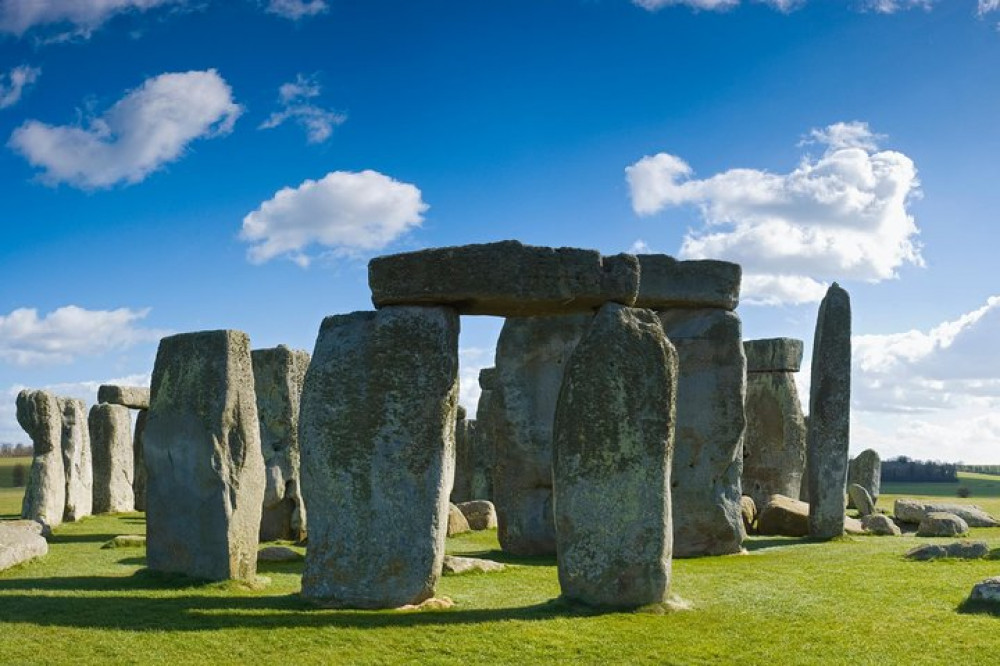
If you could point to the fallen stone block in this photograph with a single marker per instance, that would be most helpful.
(454, 565)
(20, 542)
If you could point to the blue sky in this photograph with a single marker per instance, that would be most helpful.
(177, 165)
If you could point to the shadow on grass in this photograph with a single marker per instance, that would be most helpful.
(81, 538)
(979, 607)
(498, 555)
(763, 543)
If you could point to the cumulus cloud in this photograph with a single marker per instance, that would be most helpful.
(296, 9)
(69, 332)
(470, 361)
(149, 127)
(843, 215)
(715, 5)
(295, 105)
(15, 82)
(987, 6)
(344, 211)
(83, 16)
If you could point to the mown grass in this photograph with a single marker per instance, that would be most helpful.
(788, 601)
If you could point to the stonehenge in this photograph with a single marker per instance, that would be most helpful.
(38, 412)
(865, 470)
(111, 438)
(137, 398)
(77, 464)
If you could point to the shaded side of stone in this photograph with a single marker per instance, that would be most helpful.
(773, 355)
(114, 462)
(665, 282)
(866, 471)
(613, 438)
(377, 432)
(774, 449)
(138, 461)
(38, 413)
(76, 460)
(133, 397)
(461, 489)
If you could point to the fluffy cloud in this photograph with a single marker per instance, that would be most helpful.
(296, 9)
(17, 80)
(317, 122)
(344, 211)
(470, 361)
(149, 127)
(69, 332)
(715, 5)
(843, 215)
(84, 16)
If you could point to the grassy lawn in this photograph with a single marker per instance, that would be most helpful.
(854, 600)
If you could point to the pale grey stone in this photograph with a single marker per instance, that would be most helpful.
(613, 440)
(113, 453)
(829, 415)
(20, 543)
(377, 431)
(908, 510)
(76, 460)
(133, 397)
(204, 468)
(39, 414)
(278, 554)
(860, 499)
(708, 448)
(481, 514)
(457, 522)
(960, 550)
(665, 282)
(940, 523)
(913, 511)
(773, 355)
(278, 375)
(138, 461)
(531, 356)
(880, 525)
(866, 471)
(926, 553)
(454, 565)
(853, 526)
(507, 279)
(783, 516)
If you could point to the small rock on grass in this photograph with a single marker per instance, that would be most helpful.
(454, 565)
(986, 590)
(880, 525)
(434, 603)
(126, 541)
(278, 554)
(964, 550)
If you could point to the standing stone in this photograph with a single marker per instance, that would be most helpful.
(278, 376)
(461, 489)
(76, 459)
(708, 445)
(774, 450)
(483, 436)
(860, 499)
(613, 440)
(45, 495)
(111, 439)
(139, 461)
(829, 414)
(531, 356)
(204, 469)
(377, 432)
(866, 471)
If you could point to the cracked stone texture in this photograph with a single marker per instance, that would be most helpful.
(773, 355)
(76, 459)
(39, 414)
(114, 462)
(377, 434)
(461, 489)
(483, 437)
(204, 468)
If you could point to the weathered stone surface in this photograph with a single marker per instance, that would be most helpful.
(126, 541)
(853, 526)
(531, 356)
(278, 375)
(773, 355)
(457, 523)
(748, 511)
(940, 523)
(481, 514)
(860, 499)
(278, 554)
(866, 471)
(454, 565)
(461, 489)
(39, 414)
(133, 397)
(204, 468)
(506, 279)
(774, 449)
(665, 282)
(20, 543)
(913, 511)
(139, 461)
(986, 590)
(784, 516)
(829, 414)
(708, 448)
(76, 459)
(483, 436)
(880, 525)
(963, 550)
(377, 432)
(113, 451)
(612, 445)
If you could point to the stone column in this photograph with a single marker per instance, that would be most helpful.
(111, 439)
(377, 433)
(614, 428)
(461, 489)
(278, 376)
(45, 495)
(829, 414)
(866, 471)
(774, 449)
(484, 437)
(76, 459)
(531, 356)
(139, 461)
(204, 469)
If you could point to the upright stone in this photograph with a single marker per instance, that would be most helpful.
(708, 445)
(829, 414)
(204, 469)
(39, 414)
(377, 432)
(774, 449)
(483, 436)
(76, 459)
(531, 357)
(111, 439)
(866, 471)
(614, 428)
(461, 489)
(278, 376)
(139, 461)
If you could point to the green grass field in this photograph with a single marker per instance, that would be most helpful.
(788, 601)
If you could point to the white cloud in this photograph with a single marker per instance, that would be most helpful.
(843, 215)
(317, 122)
(716, 5)
(639, 247)
(69, 332)
(17, 80)
(470, 361)
(149, 127)
(84, 16)
(296, 9)
(893, 6)
(987, 6)
(345, 211)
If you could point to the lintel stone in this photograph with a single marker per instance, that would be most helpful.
(773, 355)
(133, 397)
(666, 282)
